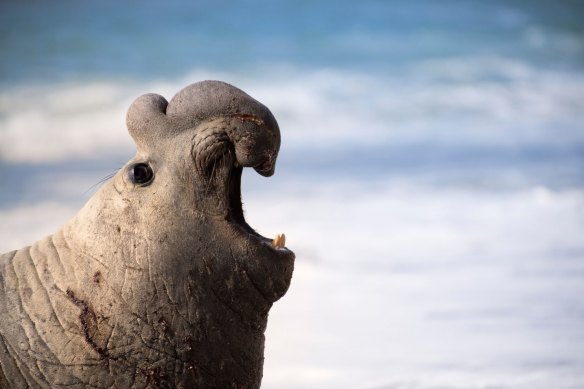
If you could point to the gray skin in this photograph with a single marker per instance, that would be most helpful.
(159, 284)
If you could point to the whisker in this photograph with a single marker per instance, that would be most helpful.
(101, 181)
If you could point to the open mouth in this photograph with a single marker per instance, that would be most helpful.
(235, 214)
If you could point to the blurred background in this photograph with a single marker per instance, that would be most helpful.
(430, 181)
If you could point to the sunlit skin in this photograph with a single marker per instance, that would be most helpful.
(158, 281)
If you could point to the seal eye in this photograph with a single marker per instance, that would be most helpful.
(140, 173)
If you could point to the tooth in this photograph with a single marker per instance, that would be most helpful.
(279, 241)
(276, 241)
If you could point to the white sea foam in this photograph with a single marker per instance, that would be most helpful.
(417, 287)
(23, 225)
(451, 100)
(459, 100)
(51, 123)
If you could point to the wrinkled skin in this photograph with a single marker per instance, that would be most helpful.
(161, 284)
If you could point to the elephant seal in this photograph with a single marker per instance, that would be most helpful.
(158, 281)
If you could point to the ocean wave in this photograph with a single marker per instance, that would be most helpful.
(475, 100)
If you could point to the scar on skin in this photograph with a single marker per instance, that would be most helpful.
(85, 317)
(248, 118)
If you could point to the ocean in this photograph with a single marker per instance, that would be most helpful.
(430, 179)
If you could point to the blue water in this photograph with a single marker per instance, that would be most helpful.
(71, 39)
(431, 177)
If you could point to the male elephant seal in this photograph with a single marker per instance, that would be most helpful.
(158, 281)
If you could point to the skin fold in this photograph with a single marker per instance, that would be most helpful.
(158, 281)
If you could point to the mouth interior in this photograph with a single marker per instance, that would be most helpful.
(235, 207)
(235, 215)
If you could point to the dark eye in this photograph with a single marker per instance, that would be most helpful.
(140, 173)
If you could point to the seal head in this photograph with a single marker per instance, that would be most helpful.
(197, 146)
